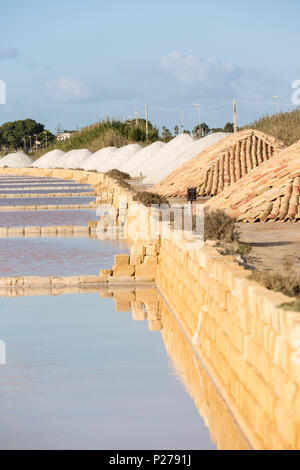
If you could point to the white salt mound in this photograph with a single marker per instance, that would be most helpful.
(166, 156)
(74, 159)
(98, 159)
(175, 157)
(49, 160)
(134, 165)
(16, 160)
(120, 156)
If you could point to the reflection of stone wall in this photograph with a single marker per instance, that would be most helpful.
(248, 343)
(224, 430)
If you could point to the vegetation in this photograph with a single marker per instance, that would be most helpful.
(288, 284)
(23, 134)
(219, 226)
(107, 133)
(118, 175)
(148, 199)
(283, 126)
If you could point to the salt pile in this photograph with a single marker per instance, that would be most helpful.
(74, 158)
(98, 159)
(165, 157)
(180, 152)
(16, 160)
(120, 156)
(134, 165)
(49, 159)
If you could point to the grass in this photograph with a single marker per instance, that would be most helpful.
(104, 134)
(288, 284)
(283, 126)
(148, 199)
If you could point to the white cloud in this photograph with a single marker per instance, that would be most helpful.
(68, 90)
(8, 52)
(178, 76)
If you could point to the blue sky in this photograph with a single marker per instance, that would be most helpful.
(75, 61)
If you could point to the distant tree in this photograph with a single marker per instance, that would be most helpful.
(186, 132)
(229, 127)
(166, 134)
(15, 134)
(201, 130)
(59, 129)
(176, 130)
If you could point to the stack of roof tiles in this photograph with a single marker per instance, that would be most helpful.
(269, 192)
(221, 165)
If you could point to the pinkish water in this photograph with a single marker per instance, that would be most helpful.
(46, 217)
(57, 256)
(37, 201)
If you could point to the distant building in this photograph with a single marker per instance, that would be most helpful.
(64, 136)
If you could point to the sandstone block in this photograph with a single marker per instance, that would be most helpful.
(121, 260)
(146, 270)
(125, 270)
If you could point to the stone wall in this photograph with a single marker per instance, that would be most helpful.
(249, 344)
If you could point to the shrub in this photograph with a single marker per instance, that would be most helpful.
(288, 284)
(118, 175)
(219, 226)
(148, 198)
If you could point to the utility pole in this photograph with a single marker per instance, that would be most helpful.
(277, 103)
(182, 119)
(199, 124)
(147, 125)
(136, 117)
(234, 117)
(35, 142)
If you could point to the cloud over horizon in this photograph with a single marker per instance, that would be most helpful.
(68, 90)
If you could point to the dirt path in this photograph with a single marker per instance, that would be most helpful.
(271, 244)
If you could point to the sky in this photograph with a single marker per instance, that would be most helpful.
(75, 62)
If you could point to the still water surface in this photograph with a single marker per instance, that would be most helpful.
(80, 375)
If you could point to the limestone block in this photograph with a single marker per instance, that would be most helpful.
(150, 259)
(92, 280)
(151, 250)
(138, 250)
(120, 280)
(105, 272)
(123, 270)
(124, 295)
(32, 230)
(15, 231)
(92, 224)
(146, 270)
(81, 229)
(134, 259)
(122, 306)
(138, 313)
(121, 260)
(155, 325)
(49, 229)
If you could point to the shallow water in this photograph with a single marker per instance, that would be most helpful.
(57, 256)
(80, 375)
(46, 217)
(37, 201)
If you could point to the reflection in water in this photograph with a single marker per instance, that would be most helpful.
(79, 375)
